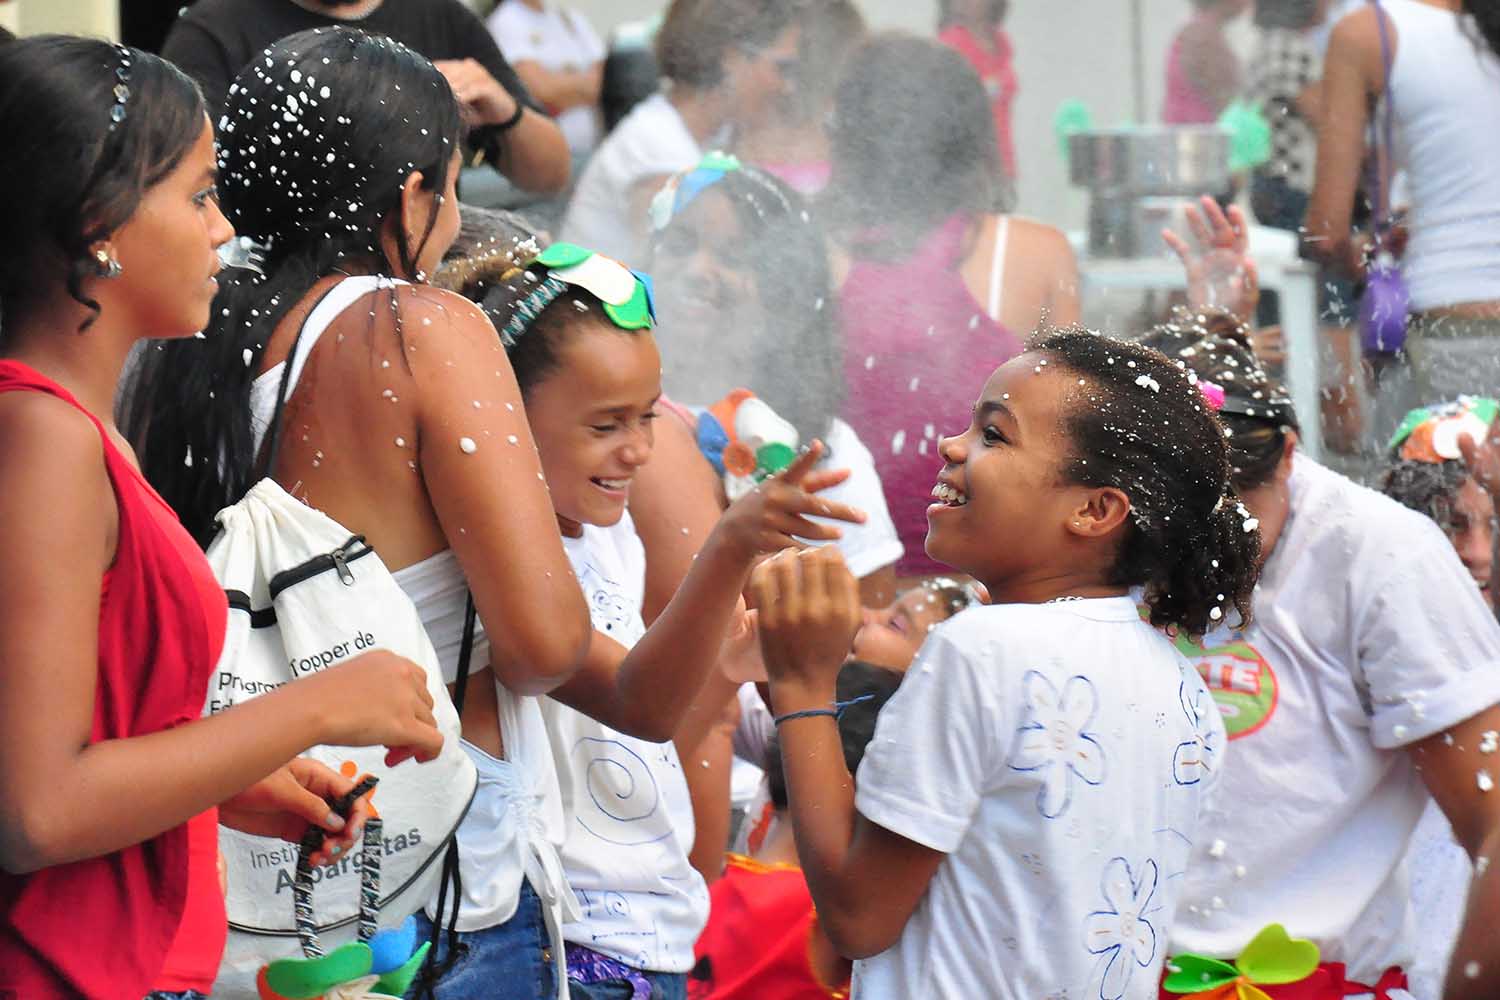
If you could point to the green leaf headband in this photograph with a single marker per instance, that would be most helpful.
(626, 294)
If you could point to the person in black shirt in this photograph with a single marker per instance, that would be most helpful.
(214, 39)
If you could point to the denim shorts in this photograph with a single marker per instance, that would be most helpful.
(664, 986)
(511, 961)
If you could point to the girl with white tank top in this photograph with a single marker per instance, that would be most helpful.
(1440, 79)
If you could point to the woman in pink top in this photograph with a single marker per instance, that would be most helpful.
(939, 288)
(1203, 73)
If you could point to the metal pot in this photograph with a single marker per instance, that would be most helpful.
(1178, 160)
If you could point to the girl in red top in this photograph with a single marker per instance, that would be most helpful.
(110, 621)
(975, 30)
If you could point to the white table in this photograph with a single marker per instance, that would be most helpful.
(1281, 270)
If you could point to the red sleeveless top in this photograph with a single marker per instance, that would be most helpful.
(102, 927)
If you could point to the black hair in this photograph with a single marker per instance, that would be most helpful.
(318, 135)
(1257, 414)
(1140, 425)
(1484, 15)
(1429, 488)
(856, 679)
(798, 368)
(74, 175)
(913, 142)
(494, 281)
(695, 35)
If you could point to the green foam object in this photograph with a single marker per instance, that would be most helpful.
(1198, 974)
(1072, 116)
(1250, 136)
(397, 980)
(772, 458)
(1273, 956)
(560, 255)
(306, 978)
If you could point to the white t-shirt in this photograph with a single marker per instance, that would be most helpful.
(1060, 756)
(1369, 635)
(651, 141)
(629, 817)
(558, 40)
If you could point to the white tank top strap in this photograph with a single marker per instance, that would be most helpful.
(339, 297)
(997, 266)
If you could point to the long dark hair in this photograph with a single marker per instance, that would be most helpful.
(1485, 16)
(318, 135)
(1141, 426)
(913, 142)
(73, 173)
(798, 368)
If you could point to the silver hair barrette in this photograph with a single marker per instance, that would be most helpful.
(122, 87)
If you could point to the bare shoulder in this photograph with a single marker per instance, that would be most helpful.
(424, 310)
(1355, 42)
(52, 464)
(1038, 239)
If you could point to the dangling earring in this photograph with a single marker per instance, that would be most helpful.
(105, 265)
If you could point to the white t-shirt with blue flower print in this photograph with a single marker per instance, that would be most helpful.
(1060, 755)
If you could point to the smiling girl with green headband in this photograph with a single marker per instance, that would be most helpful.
(577, 327)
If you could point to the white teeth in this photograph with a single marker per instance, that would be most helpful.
(613, 484)
(948, 495)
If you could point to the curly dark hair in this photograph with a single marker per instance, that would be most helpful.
(75, 176)
(1142, 426)
(1429, 488)
(1258, 414)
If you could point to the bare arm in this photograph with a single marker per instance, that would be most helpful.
(532, 153)
(1455, 775)
(482, 473)
(1352, 77)
(560, 90)
(647, 691)
(865, 880)
(1063, 295)
(708, 768)
(55, 544)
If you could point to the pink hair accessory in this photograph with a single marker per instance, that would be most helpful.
(1213, 393)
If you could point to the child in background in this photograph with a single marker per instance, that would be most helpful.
(577, 329)
(762, 938)
(1203, 73)
(975, 30)
(1033, 790)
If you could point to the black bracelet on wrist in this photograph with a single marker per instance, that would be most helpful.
(806, 713)
(512, 121)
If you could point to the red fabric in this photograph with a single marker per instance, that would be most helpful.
(997, 71)
(101, 927)
(917, 351)
(192, 961)
(756, 943)
(1326, 983)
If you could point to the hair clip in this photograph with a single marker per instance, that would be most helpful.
(122, 87)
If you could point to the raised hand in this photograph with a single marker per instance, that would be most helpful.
(1220, 272)
(482, 98)
(775, 514)
(1483, 459)
(809, 609)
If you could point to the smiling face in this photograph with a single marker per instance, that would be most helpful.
(1471, 527)
(167, 250)
(591, 417)
(709, 298)
(1002, 513)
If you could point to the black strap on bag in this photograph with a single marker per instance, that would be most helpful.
(432, 970)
